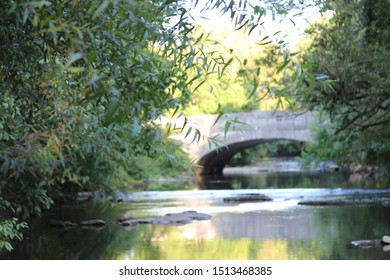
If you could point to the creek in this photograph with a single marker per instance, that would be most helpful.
(274, 230)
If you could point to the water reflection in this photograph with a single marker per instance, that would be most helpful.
(317, 235)
(213, 182)
(282, 179)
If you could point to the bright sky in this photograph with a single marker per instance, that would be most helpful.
(291, 27)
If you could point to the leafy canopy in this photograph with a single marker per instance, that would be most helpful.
(83, 83)
(352, 49)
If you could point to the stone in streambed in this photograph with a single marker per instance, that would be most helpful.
(185, 217)
(128, 223)
(247, 198)
(153, 221)
(93, 223)
(124, 218)
(325, 202)
(367, 243)
(62, 224)
(169, 219)
(191, 215)
(386, 239)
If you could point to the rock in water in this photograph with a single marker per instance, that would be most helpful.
(325, 202)
(247, 198)
(186, 217)
(93, 223)
(62, 224)
(128, 223)
(386, 239)
(169, 219)
(125, 217)
(367, 243)
(373, 243)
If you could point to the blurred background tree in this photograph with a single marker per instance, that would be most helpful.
(351, 47)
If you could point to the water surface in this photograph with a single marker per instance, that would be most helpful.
(276, 230)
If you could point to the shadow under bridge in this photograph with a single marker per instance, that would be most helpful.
(215, 161)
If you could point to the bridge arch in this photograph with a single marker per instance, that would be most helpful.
(215, 161)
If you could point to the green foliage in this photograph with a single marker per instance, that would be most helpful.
(348, 148)
(9, 231)
(352, 49)
(172, 163)
(254, 75)
(82, 84)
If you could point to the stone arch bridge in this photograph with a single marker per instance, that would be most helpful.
(211, 143)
